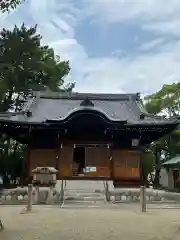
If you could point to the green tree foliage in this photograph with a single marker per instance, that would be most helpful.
(26, 65)
(11, 160)
(148, 160)
(6, 5)
(165, 102)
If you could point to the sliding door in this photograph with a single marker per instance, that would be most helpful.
(97, 161)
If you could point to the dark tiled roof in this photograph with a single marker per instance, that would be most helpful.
(58, 106)
(174, 160)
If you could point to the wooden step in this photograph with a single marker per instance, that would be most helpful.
(74, 171)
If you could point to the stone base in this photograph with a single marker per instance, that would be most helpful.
(1, 226)
(26, 211)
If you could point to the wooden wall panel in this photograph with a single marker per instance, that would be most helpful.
(65, 161)
(126, 164)
(126, 173)
(103, 171)
(42, 158)
(100, 172)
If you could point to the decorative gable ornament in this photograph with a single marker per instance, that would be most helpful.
(87, 103)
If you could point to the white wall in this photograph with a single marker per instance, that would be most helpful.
(164, 182)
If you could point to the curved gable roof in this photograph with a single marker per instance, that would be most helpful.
(50, 106)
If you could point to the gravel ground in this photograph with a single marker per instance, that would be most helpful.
(122, 223)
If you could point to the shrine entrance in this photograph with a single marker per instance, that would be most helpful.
(90, 161)
(78, 165)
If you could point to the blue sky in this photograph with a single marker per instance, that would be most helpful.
(113, 45)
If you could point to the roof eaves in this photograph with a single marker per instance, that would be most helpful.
(9, 114)
(153, 116)
(153, 123)
(175, 160)
(11, 121)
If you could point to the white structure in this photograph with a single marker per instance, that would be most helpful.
(44, 175)
(163, 181)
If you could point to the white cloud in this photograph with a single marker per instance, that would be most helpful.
(151, 45)
(162, 16)
(144, 72)
(164, 27)
(116, 11)
(56, 19)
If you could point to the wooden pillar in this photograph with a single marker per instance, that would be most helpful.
(111, 164)
(143, 187)
(62, 192)
(25, 167)
(58, 162)
(143, 198)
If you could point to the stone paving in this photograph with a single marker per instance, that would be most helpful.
(124, 222)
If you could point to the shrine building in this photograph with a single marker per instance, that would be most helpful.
(86, 136)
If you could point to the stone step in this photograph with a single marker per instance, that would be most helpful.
(84, 184)
(82, 202)
(85, 193)
(84, 198)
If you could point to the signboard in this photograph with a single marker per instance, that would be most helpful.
(90, 169)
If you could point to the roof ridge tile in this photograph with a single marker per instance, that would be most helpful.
(91, 96)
